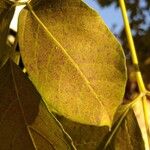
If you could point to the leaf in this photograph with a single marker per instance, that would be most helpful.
(139, 112)
(123, 109)
(85, 137)
(128, 135)
(73, 59)
(25, 123)
(6, 14)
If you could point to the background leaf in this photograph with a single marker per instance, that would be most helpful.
(6, 14)
(25, 123)
(85, 137)
(83, 77)
(128, 135)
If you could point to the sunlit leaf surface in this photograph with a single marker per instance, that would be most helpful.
(80, 71)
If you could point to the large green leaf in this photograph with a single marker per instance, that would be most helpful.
(6, 14)
(25, 123)
(76, 63)
(127, 137)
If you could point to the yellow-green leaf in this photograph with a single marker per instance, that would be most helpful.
(73, 59)
(25, 123)
(6, 14)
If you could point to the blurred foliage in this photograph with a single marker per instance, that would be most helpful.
(138, 13)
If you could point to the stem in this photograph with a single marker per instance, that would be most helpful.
(139, 78)
(19, 3)
(132, 47)
(147, 93)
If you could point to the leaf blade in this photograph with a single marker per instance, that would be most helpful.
(65, 77)
(127, 136)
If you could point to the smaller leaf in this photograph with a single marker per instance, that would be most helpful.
(127, 137)
(25, 123)
(124, 108)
